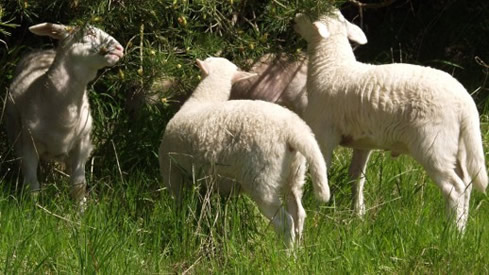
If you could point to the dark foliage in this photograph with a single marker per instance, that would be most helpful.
(162, 38)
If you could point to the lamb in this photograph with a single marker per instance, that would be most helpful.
(260, 145)
(48, 114)
(404, 108)
(280, 79)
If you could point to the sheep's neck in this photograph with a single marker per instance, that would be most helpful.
(67, 81)
(328, 58)
(213, 88)
(330, 53)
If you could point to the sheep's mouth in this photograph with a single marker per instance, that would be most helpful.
(118, 54)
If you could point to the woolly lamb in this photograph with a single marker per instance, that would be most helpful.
(259, 144)
(280, 79)
(48, 115)
(404, 108)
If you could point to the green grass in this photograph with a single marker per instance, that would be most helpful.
(132, 227)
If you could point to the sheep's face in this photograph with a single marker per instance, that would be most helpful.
(222, 67)
(303, 26)
(327, 26)
(89, 46)
(94, 47)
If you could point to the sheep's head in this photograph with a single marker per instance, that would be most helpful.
(222, 66)
(88, 44)
(326, 26)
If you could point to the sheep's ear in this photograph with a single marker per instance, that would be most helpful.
(202, 66)
(240, 75)
(321, 29)
(356, 34)
(55, 31)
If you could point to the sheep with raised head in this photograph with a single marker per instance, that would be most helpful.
(260, 145)
(404, 108)
(280, 79)
(48, 114)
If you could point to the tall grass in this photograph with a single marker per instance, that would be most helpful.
(132, 226)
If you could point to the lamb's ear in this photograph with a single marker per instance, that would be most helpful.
(356, 34)
(202, 66)
(240, 75)
(321, 29)
(55, 31)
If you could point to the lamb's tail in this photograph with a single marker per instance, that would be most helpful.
(471, 153)
(306, 144)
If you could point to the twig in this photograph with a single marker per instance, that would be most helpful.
(362, 6)
(280, 4)
(380, 204)
(481, 62)
(61, 172)
(117, 161)
(372, 5)
(4, 104)
(192, 266)
(61, 217)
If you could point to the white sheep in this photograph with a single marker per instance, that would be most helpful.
(258, 144)
(48, 114)
(404, 108)
(280, 78)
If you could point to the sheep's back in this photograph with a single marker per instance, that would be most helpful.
(382, 104)
(237, 134)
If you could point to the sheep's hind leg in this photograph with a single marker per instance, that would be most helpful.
(357, 170)
(281, 220)
(456, 195)
(296, 210)
(294, 195)
(461, 171)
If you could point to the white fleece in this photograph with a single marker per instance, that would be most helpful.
(48, 114)
(259, 145)
(407, 109)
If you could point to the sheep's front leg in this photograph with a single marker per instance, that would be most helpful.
(357, 170)
(29, 163)
(328, 139)
(78, 157)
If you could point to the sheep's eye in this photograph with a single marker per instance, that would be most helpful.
(90, 32)
(103, 50)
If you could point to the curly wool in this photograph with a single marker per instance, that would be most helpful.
(404, 108)
(258, 144)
